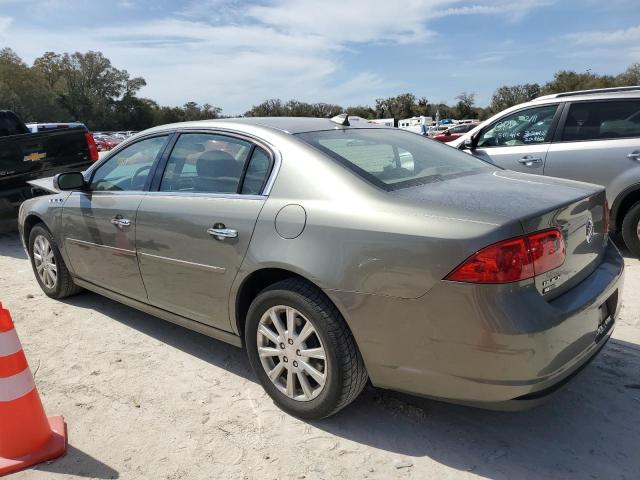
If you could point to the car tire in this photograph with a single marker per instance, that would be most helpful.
(59, 284)
(344, 373)
(631, 230)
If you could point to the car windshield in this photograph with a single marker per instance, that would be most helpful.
(392, 158)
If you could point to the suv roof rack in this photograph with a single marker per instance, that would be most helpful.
(592, 91)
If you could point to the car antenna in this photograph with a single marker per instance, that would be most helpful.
(342, 119)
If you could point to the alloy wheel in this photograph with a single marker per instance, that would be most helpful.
(45, 261)
(292, 353)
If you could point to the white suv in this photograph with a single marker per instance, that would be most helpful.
(592, 136)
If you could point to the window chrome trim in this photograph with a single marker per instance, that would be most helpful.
(121, 146)
(175, 261)
(205, 194)
(269, 147)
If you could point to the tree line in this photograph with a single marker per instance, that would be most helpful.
(86, 87)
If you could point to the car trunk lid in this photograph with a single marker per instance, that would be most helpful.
(537, 203)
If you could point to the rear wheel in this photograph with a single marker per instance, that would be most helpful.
(302, 351)
(631, 229)
(49, 267)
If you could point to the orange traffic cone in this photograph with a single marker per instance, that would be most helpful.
(27, 436)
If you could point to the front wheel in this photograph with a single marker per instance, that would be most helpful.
(49, 267)
(302, 351)
(631, 230)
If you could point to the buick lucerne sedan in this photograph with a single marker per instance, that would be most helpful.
(338, 252)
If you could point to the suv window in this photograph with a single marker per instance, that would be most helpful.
(205, 163)
(525, 127)
(602, 120)
(128, 169)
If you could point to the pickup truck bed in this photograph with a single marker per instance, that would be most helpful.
(29, 156)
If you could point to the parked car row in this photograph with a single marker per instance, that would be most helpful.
(448, 134)
(108, 140)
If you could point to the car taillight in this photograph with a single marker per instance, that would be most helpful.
(605, 217)
(513, 260)
(93, 148)
(547, 249)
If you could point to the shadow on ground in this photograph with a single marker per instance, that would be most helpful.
(590, 429)
(76, 462)
(10, 245)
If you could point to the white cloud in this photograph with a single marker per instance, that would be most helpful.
(629, 36)
(234, 55)
(5, 23)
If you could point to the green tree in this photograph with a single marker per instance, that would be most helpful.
(25, 91)
(464, 107)
(363, 111)
(630, 77)
(566, 81)
(505, 97)
(269, 108)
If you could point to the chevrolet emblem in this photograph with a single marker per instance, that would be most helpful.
(35, 156)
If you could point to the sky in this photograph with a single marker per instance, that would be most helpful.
(235, 54)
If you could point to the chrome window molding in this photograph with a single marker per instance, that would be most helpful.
(206, 194)
(270, 148)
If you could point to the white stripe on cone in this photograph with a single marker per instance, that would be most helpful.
(9, 343)
(16, 386)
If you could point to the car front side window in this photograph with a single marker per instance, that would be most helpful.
(129, 169)
(525, 127)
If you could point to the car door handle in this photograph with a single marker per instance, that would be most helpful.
(529, 161)
(222, 233)
(634, 155)
(121, 221)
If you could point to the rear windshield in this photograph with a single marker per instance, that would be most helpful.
(393, 158)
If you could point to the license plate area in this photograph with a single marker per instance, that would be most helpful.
(607, 316)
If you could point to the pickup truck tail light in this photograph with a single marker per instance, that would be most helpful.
(513, 260)
(91, 145)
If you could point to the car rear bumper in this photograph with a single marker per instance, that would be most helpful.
(483, 344)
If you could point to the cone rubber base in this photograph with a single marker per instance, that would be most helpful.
(53, 448)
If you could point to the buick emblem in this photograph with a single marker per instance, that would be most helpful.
(589, 230)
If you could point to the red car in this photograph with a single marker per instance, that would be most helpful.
(106, 143)
(455, 131)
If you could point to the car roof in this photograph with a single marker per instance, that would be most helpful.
(587, 95)
(291, 125)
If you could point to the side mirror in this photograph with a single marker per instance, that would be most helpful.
(470, 142)
(69, 181)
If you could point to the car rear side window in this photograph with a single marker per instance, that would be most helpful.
(205, 163)
(257, 172)
(602, 121)
(392, 158)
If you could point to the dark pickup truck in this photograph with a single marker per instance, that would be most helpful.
(28, 156)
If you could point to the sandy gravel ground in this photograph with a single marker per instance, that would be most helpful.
(146, 399)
